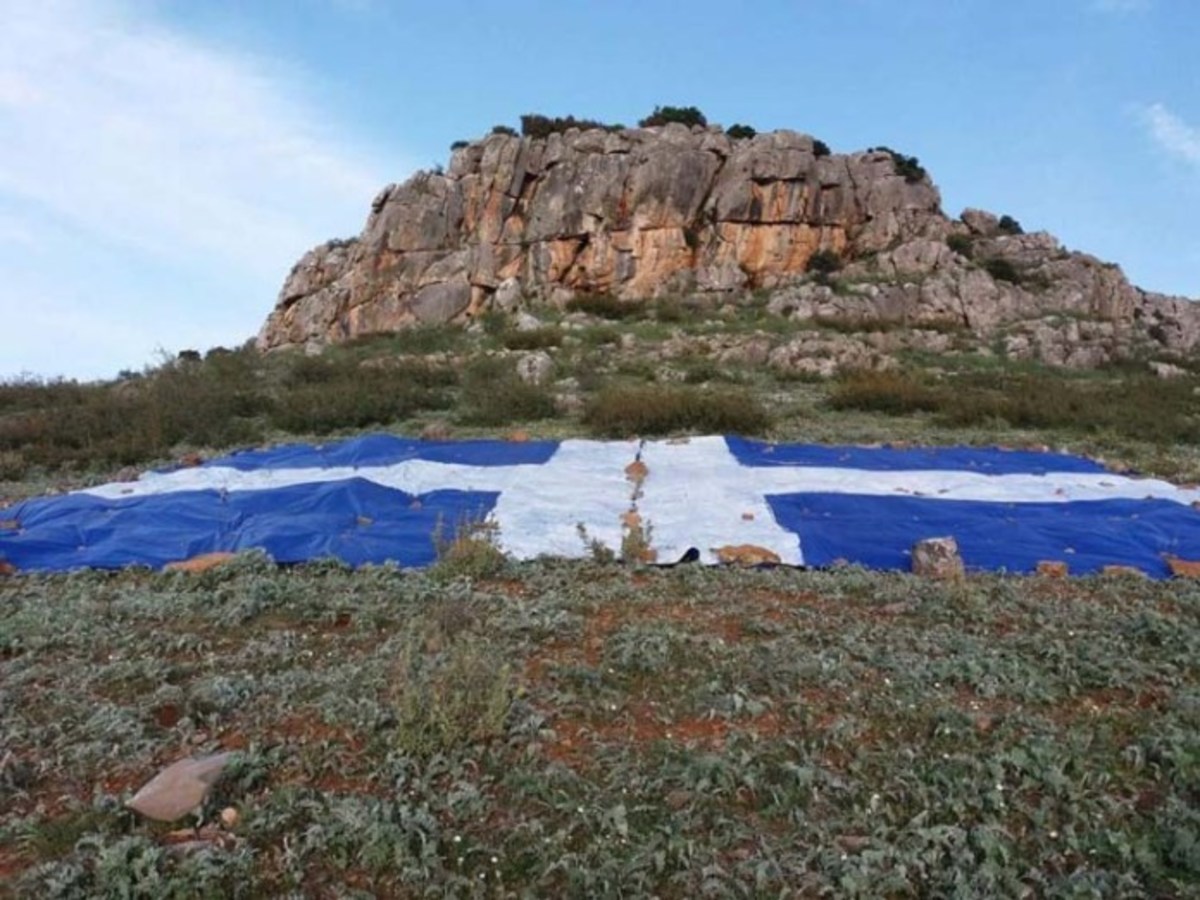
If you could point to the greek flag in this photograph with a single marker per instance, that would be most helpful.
(387, 499)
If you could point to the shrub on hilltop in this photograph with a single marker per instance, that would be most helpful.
(665, 115)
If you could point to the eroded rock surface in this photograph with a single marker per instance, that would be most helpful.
(642, 213)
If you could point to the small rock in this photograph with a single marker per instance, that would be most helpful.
(526, 322)
(535, 367)
(1053, 568)
(984, 724)
(180, 788)
(7, 568)
(746, 555)
(230, 817)
(937, 558)
(127, 474)
(1167, 370)
(853, 843)
(508, 295)
(201, 563)
(191, 460)
(1122, 572)
(435, 431)
(895, 609)
(1183, 568)
(520, 436)
(678, 799)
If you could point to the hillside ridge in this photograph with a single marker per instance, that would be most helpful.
(672, 210)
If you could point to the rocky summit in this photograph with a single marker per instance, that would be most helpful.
(856, 238)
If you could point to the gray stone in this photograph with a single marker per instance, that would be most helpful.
(436, 304)
(937, 558)
(180, 788)
(508, 295)
(535, 367)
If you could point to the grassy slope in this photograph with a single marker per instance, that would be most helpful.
(590, 729)
(600, 730)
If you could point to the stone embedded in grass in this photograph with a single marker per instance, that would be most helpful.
(1052, 568)
(201, 563)
(435, 431)
(1183, 568)
(746, 555)
(180, 788)
(937, 558)
(1122, 572)
(535, 367)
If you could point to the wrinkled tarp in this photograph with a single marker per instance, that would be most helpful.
(381, 498)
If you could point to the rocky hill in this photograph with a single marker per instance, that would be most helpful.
(855, 238)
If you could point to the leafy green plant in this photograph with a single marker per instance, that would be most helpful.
(493, 394)
(961, 244)
(740, 132)
(471, 552)
(1002, 270)
(665, 115)
(1009, 225)
(535, 339)
(617, 411)
(539, 126)
(820, 148)
(606, 306)
(824, 262)
(908, 167)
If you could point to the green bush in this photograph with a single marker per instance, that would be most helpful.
(740, 132)
(493, 394)
(1139, 407)
(1009, 225)
(538, 126)
(824, 262)
(820, 148)
(627, 411)
(56, 424)
(891, 392)
(606, 306)
(504, 129)
(961, 244)
(909, 167)
(536, 339)
(324, 394)
(449, 691)
(459, 145)
(1002, 270)
(665, 115)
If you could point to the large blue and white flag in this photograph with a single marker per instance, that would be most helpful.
(383, 498)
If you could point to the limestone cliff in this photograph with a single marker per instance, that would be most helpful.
(640, 213)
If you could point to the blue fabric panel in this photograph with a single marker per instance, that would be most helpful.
(386, 449)
(878, 532)
(890, 459)
(355, 520)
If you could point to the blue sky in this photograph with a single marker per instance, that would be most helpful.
(164, 162)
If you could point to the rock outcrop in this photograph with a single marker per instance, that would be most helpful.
(640, 213)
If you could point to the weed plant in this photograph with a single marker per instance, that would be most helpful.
(625, 411)
(588, 729)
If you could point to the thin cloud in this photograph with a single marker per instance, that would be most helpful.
(159, 142)
(1172, 134)
(123, 133)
